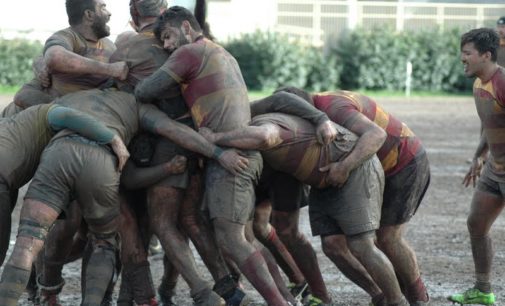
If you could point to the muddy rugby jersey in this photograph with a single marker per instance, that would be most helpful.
(490, 104)
(401, 145)
(144, 54)
(211, 84)
(101, 50)
(300, 154)
(23, 137)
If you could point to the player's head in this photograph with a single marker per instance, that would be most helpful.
(93, 11)
(296, 91)
(478, 48)
(175, 26)
(146, 8)
(500, 27)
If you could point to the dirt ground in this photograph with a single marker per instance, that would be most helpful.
(449, 129)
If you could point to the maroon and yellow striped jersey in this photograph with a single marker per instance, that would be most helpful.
(300, 154)
(401, 145)
(101, 50)
(490, 104)
(212, 85)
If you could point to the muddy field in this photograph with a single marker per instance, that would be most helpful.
(449, 129)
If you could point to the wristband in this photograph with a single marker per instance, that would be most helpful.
(217, 152)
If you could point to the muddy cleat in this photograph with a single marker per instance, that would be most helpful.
(300, 292)
(314, 301)
(473, 296)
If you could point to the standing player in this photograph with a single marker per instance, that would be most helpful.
(478, 54)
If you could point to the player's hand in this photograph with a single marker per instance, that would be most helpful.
(326, 132)
(119, 70)
(338, 173)
(41, 72)
(176, 165)
(120, 150)
(233, 161)
(474, 172)
(207, 134)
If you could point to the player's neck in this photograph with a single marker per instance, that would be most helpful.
(488, 72)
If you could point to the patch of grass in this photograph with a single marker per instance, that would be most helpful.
(399, 94)
(258, 94)
(8, 90)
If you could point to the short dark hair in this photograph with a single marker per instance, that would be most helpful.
(174, 17)
(76, 8)
(296, 91)
(500, 21)
(484, 40)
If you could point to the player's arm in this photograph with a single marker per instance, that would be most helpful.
(155, 121)
(477, 161)
(60, 117)
(291, 104)
(60, 59)
(134, 177)
(262, 137)
(31, 94)
(371, 138)
(155, 86)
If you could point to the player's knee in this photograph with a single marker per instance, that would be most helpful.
(334, 246)
(361, 244)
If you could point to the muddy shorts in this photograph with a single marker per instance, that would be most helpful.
(286, 192)
(351, 209)
(164, 151)
(405, 190)
(75, 168)
(8, 197)
(488, 182)
(232, 197)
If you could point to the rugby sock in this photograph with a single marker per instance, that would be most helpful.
(99, 272)
(282, 257)
(416, 291)
(276, 275)
(482, 251)
(12, 284)
(306, 258)
(253, 268)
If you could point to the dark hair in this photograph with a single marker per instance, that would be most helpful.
(484, 40)
(296, 91)
(174, 17)
(76, 8)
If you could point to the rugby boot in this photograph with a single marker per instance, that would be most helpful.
(207, 297)
(314, 301)
(300, 292)
(473, 296)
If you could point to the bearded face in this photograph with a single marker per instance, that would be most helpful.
(100, 27)
(102, 17)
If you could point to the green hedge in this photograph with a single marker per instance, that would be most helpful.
(361, 59)
(16, 58)
(268, 60)
(377, 59)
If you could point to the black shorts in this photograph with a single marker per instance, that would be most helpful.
(405, 190)
(286, 192)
